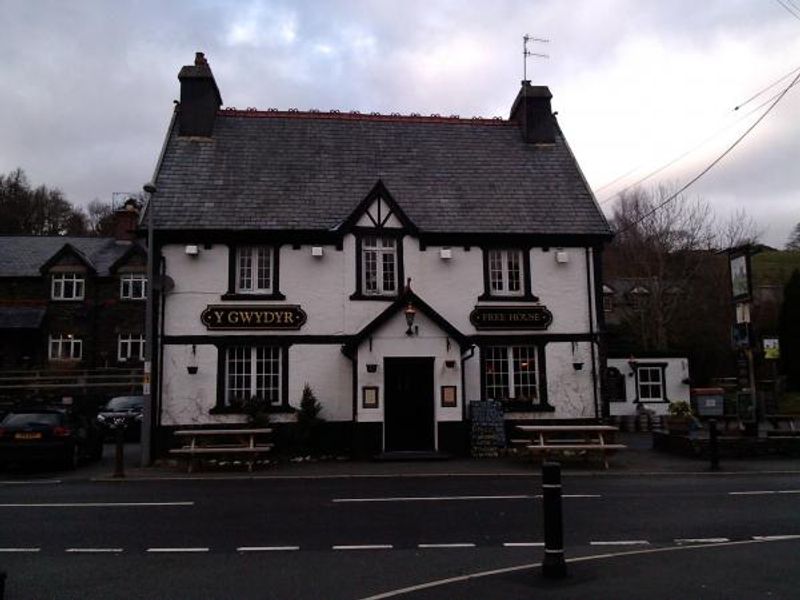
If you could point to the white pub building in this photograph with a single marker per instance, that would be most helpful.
(401, 265)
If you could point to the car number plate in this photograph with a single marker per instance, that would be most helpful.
(28, 436)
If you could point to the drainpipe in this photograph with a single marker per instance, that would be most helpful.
(465, 358)
(589, 288)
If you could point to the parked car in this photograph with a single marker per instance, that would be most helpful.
(128, 409)
(52, 434)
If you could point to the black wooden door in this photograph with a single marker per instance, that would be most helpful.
(409, 418)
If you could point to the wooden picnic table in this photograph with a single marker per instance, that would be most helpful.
(549, 439)
(222, 442)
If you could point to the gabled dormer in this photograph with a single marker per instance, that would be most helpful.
(379, 225)
(68, 269)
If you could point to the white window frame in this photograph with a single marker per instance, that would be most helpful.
(255, 269)
(128, 288)
(67, 347)
(651, 384)
(377, 253)
(126, 343)
(60, 282)
(256, 371)
(509, 359)
(506, 272)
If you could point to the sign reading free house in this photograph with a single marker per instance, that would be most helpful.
(288, 316)
(511, 317)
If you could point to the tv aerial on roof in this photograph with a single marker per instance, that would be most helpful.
(526, 53)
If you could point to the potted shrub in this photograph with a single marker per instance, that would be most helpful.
(680, 419)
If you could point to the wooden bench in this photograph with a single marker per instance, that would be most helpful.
(202, 443)
(587, 439)
(779, 431)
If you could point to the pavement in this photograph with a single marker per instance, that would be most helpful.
(638, 459)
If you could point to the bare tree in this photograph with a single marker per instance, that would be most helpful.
(740, 229)
(100, 219)
(40, 211)
(794, 239)
(661, 250)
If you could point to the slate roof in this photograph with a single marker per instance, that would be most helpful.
(289, 170)
(14, 317)
(23, 255)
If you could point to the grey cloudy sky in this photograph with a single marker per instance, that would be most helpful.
(87, 86)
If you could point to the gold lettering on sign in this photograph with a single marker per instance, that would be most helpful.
(218, 314)
(253, 317)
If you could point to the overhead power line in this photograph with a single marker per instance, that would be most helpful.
(717, 160)
(790, 9)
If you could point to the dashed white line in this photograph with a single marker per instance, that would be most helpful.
(523, 544)
(94, 550)
(31, 482)
(763, 492)
(453, 545)
(20, 549)
(775, 538)
(177, 550)
(714, 540)
(364, 547)
(267, 548)
(92, 504)
(620, 543)
(435, 498)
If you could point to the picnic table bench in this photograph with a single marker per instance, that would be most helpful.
(783, 426)
(201, 443)
(587, 439)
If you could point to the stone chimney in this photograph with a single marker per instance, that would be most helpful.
(531, 110)
(125, 220)
(200, 99)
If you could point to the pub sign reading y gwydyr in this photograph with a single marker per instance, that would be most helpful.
(253, 317)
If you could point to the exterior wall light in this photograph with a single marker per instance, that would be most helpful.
(191, 366)
(316, 251)
(410, 312)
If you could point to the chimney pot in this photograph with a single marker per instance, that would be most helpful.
(532, 111)
(200, 99)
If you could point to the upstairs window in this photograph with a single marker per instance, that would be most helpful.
(379, 266)
(506, 272)
(254, 270)
(133, 286)
(67, 286)
(65, 347)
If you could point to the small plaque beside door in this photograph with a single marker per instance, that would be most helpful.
(449, 397)
(369, 397)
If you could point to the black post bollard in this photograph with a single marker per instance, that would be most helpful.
(553, 565)
(713, 444)
(119, 454)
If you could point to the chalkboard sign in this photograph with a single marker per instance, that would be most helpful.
(488, 428)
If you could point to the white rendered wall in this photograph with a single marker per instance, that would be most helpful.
(676, 372)
(329, 373)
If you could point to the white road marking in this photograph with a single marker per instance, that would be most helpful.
(19, 549)
(31, 482)
(94, 550)
(266, 548)
(92, 504)
(177, 549)
(434, 498)
(763, 492)
(523, 544)
(447, 498)
(364, 547)
(716, 540)
(455, 545)
(620, 543)
(529, 566)
(775, 538)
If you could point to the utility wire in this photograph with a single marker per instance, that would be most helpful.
(771, 85)
(716, 161)
(788, 9)
(683, 155)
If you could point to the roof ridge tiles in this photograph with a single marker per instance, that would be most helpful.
(337, 115)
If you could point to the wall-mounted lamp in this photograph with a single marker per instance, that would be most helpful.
(191, 365)
(192, 250)
(316, 251)
(445, 253)
(410, 312)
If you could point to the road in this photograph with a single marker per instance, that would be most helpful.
(356, 537)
